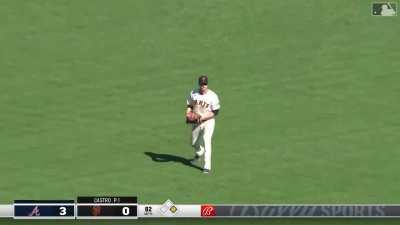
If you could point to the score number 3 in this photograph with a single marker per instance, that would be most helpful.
(63, 211)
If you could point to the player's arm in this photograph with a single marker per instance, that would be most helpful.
(189, 104)
(209, 115)
(215, 106)
(189, 109)
(191, 117)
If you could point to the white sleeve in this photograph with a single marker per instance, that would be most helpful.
(215, 103)
(189, 99)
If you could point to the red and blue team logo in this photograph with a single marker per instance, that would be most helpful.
(208, 211)
(35, 211)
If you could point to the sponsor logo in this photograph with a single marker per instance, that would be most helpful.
(208, 211)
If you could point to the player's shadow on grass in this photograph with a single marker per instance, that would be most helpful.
(156, 157)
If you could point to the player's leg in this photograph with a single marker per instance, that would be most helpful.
(200, 142)
(195, 136)
(197, 142)
(207, 136)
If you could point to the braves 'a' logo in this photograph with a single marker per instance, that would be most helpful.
(35, 212)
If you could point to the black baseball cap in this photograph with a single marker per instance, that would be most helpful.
(203, 80)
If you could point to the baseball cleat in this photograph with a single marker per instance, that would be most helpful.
(206, 171)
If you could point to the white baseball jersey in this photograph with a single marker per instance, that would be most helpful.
(203, 103)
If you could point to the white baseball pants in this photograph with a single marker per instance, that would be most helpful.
(201, 140)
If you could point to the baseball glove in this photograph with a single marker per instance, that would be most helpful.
(192, 117)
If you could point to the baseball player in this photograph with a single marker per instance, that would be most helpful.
(387, 10)
(202, 107)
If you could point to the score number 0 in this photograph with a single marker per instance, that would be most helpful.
(125, 211)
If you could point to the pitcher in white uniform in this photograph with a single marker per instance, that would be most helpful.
(204, 102)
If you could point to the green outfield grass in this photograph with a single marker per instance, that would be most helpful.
(309, 93)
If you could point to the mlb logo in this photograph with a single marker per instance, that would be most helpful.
(208, 211)
(384, 9)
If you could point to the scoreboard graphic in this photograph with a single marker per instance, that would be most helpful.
(49, 209)
(127, 207)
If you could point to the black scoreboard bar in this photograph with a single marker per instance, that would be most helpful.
(107, 207)
(44, 209)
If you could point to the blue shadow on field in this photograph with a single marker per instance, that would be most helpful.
(156, 157)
